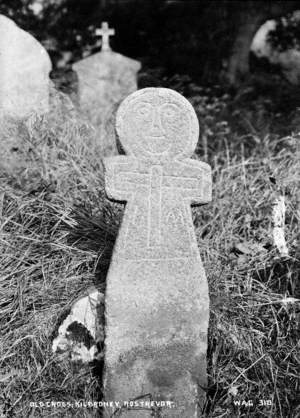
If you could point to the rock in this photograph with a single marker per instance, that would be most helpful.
(79, 333)
(157, 303)
(104, 80)
(24, 71)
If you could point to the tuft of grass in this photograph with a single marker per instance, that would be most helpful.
(56, 238)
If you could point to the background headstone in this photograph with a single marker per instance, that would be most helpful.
(24, 72)
(283, 55)
(104, 80)
(157, 304)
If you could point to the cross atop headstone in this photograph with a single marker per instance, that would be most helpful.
(105, 32)
(157, 304)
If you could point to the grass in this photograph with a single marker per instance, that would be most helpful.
(56, 237)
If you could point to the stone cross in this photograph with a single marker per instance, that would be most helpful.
(105, 32)
(157, 304)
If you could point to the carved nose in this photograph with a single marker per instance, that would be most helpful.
(156, 128)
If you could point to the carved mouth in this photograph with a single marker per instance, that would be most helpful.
(156, 144)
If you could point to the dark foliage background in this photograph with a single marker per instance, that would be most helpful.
(198, 38)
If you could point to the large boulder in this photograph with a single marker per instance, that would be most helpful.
(24, 72)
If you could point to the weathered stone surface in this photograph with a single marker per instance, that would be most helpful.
(104, 80)
(24, 72)
(157, 305)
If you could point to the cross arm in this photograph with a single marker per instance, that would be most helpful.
(193, 180)
(121, 177)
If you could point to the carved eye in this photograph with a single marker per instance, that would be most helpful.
(144, 110)
(170, 111)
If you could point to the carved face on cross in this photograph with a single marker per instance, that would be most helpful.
(157, 123)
